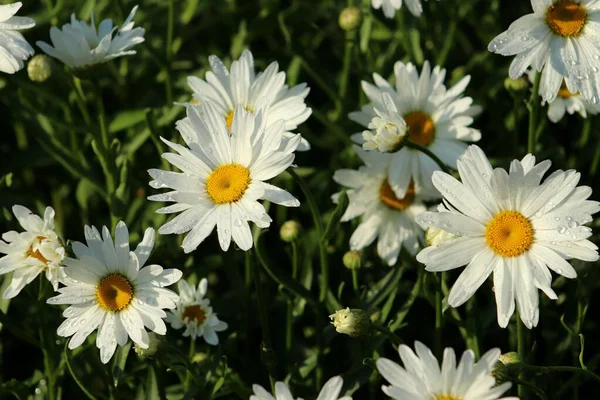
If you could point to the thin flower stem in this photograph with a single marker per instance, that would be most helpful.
(539, 392)
(391, 335)
(75, 378)
(448, 42)
(522, 351)
(438, 315)
(169, 52)
(355, 280)
(558, 368)
(534, 106)
(429, 153)
(290, 306)
(81, 100)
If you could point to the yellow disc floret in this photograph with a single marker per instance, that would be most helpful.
(114, 293)
(564, 92)
(227, 183)
(229, 120)
(387, 196)
(566, 18)
(194, 313)
(447, 397)
(421, 129)
(509, 234)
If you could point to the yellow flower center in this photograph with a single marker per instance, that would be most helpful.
(114, 293)
(36, 253)
(194, 313)
(421, 129)
(566, 18)
(227, 183)
(446, 397)
(564, 92)
(509, 234)
(387, 196)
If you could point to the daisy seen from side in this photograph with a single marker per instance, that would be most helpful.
(436, 118)
(389, 7)
(108, 290)
(224, 174)
(422, 378)
(330, 391)
(513, 225)
(263, 91)
(14, 49)
(195, 313)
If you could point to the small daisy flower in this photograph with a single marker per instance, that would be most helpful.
(107, 289)
(14, 49)
(223, 175)
(434, 117)
(32, 252)
(79, 45)
(241, 86)
(422, 377)
(384, 215)
(390, 6)
(559, 39)
(330, 391)
(195, 313)
(512, 225)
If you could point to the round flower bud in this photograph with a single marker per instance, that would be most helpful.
(40, 68)
(501, 370)
(516, 85)
(352, 322)
(154, 346)
(436, 236)
(352, 259)
(289, 231)
(349, 18)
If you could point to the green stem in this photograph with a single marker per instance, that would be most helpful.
(343, 88)
(169, 52)
(596, 161)
(438, 316)
(391, 335)
(443, 54)
(429, 153)
(81, 100)
(534, 106)
(522, 350)
(290, 306)
(558, 368)
(585, 132)
(188, 375)
(355, 280)
(75, 378)
(540, 393)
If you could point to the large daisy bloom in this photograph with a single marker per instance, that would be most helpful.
(330, 391)
(385, 216)
(434, 117)
(241, 86)
(195, 313)
(390, 6)
(223, 175)
(32, 252)
(14, 49)
(422, 378)
(512, 225)
(560, 39)
(107, 289)
(79, 45)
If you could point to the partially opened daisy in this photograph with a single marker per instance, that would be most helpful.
(195, 313)
(512, 225)
(330, 391)
(241, 86)
(390, 6)
(79, 45)
(385, 216)
(14, 49)
(422, 108)
(108, 290)
(422, 377)
(223, 175)
(29, 253)
(559, 39)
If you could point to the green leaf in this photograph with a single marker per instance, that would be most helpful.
(334, 221)
(415, 43)
(582, 344)
(126, 119)
(119, 362)
(294, 70)
(151, 388)
(365, 33)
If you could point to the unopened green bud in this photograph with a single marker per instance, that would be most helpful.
(289, 231)
(154, 347)
(436, 236)
(349, 18)
(352, 259)
(501, 370)
(516, 85)
(352, 322)
(40, 68)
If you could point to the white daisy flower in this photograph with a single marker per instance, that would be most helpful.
(512, 225)
(422, 378)
(32, 252)
(384, 215)
(436, 118)
(390, 6)
(14, 49)
(560, 37)
(241, 86)
(79, 45)
(330, 391)
(195, 313)
(108, 290)
(223, 175)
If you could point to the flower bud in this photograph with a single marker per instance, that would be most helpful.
(349, 18)
(289, 231)
(352, 259)
(154, 347)
(352, 322)
(501, 371)
(40, 68)
(516, 86)
(436, 236)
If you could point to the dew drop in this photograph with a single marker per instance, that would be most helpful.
(237, 222)
(559, 271)
(562, 229)
(572, 224)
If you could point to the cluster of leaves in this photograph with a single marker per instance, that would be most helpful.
(51, 156)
